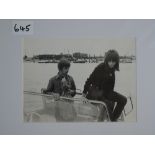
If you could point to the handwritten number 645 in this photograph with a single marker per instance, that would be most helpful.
(22, 28)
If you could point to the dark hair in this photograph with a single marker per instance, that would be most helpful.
(114, 56)
(63, 63)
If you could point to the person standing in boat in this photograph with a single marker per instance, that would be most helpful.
(101, 82)
(62, 84)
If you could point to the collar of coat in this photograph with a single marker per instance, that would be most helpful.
(59, 76)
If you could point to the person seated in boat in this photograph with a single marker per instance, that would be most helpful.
(101, 82)
(62, 84)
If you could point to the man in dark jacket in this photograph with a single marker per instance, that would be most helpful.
(100, 85)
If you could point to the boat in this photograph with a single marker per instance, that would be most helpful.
(80, 61)
(66, 109)
(126, 60)
(48, 61)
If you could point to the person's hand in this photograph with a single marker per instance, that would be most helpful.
(65, 84)
(71, 91)
(84, 99)
(44, 91)
(66, 88)
(49, 93)
(83, 95)
(56, 96)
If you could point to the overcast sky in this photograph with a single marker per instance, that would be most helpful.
(35, 46)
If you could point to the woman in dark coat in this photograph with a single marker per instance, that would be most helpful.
(100, 85)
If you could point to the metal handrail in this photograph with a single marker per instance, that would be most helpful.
(71, 99)
(131, 107)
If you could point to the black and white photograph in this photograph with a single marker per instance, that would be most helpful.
(79, 80)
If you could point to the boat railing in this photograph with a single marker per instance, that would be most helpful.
(81, 99)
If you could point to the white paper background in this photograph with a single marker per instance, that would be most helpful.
(11, 74)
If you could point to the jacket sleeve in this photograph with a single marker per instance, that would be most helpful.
(73, 88)
(50, 86)
(91, 80)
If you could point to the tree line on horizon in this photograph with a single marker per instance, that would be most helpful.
(71, 57)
